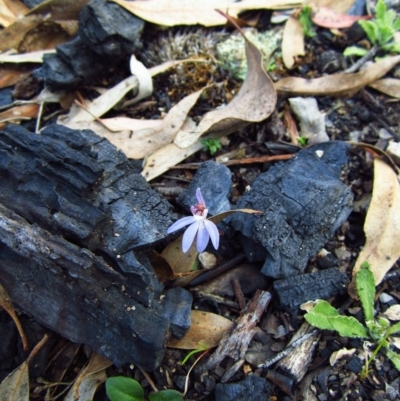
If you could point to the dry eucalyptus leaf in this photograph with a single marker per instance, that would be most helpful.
(382, 225)
(190, 12)
(11, 37)
(292, 42)
(18, 113)
(15, 387)
(89, 379)
(388, 86)
(340, 84)
(254, 102)
(32, 57)
(206, 329)
(393, 312)
(10, 75)
(11, 10)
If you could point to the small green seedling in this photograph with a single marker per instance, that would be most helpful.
(326, 317)
(379, 31)
(302, 140)
(121, 388)
(202, 348)
(212, 145)
(306, 22)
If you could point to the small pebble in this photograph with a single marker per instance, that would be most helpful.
(385, 298)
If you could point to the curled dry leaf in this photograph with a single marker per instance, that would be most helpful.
(382, 225)
(178, 12)
(388, 86)
(206, 329)
(340, 84)
(292, 42)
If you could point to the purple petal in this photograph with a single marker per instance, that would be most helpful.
(193, 210)
(199, 196)
(189, 235)
(181, 223)
(202, 237)
(213, 232)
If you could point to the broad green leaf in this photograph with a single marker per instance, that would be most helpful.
(319, 315)
(348, 326)
(395, 328)
(371, 30)
(396, 24)
(326, 317)
(394, 357)
(380, 10)
(166, 395)
(121, 388)
(354, 51)
(393, 47)
(365, 283)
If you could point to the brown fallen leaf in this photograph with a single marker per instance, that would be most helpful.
(328, 18)
(186, 12)
(45, 36)
(382, 225)
(89, 379)
(340, 84)
(10, 75)
(18, 113)
(6, 304)
(341, 6)
(292, 42)
(206, 329)
(11, 10)
(388, 86)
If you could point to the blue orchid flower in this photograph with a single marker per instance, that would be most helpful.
(205, 229)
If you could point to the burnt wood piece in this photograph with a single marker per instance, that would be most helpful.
(235, 343)
(296, 363)
(73, 214)
(324, 284)
(303, 203)
(108, 34)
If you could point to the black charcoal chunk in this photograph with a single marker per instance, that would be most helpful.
(74, 217)
(214, 180)
(303, 203)
(177, 309)
(294, 291)
(108, 34)
(252, 388)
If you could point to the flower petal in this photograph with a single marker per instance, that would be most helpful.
(202, 237)
(181, 223)
(213, 232)
(199, 196)
(189, 235)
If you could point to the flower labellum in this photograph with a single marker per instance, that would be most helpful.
(205, 229)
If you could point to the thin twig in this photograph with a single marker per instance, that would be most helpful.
(287, 350)
(149, 379)
(359, 63)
